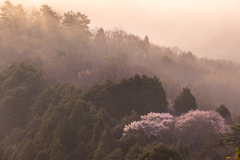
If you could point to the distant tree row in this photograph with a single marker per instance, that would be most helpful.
(42, 32)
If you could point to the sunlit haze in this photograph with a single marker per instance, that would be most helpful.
(119, 79)
(208, 28)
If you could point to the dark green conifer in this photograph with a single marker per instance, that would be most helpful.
(77, 117)
(183, 150)
(58, 151)
(223, 111)
(185, 102)
(134, 152)
(232, 138)
(117, 154)
(98, 129)
(106, 140)
(210, 148)
(40, 156)
(105, 100)
(98, 154)
(161, 151)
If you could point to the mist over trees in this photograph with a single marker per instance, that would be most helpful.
(68, 50)
(71, 92)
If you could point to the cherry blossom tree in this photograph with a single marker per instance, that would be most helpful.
(208, 117)
(155, 123)
(152, 123)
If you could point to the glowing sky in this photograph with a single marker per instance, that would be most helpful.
(208, 28)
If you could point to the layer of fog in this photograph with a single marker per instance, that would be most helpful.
(207, 28)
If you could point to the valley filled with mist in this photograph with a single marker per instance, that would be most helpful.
(71, 92)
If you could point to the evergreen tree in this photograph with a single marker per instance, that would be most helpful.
(183, 150)
(158, 152)
(40, 156)
(98, 128)
(98, 154)
(162, 152)
(100, 38)
(210, 148)
(117, 154)
(185, 102)
(18, 87)
(77, 117)
(79, 153)
(83, 135)
(139, 93)
(100, 43)
(223, 111)
(76, 25)
(58, 152)
(127, 141)
(232, 138)
(47, 126)
(65, 134)
(13, 18)
(76, 20)
(96, 134)
(118, 129)
(28, 151)
(53, 96)
(146, 42)
(58, 133)
(134, 152)
(49, 17)
(50, 24)
(106, 140)
(105, 100)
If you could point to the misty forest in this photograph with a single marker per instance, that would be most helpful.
(68, 92)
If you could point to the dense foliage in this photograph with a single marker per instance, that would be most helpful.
(223, 111)
(68, 92)
(19, 86)
(141, 94)
(233, 138)
(184, 102)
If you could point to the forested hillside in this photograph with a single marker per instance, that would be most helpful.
(68, 92)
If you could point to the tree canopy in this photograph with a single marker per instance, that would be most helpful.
(139, 93)
(223, 111)
(185, 101)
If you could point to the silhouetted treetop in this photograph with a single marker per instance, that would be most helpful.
(142, 94)
(185, 101)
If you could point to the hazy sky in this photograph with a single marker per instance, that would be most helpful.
(208, 28)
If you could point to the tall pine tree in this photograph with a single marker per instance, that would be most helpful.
(185, 102)
(58, 152)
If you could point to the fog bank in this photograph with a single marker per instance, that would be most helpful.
(207, 28)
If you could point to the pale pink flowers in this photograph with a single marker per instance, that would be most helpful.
(152, 123)
(155, 123)
(208, 117)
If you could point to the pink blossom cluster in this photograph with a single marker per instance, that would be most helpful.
(152, 123)
(209, 117)
(155, 123)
